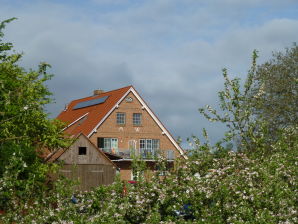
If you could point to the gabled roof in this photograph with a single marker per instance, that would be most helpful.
(88, 119)
(85, 119)
(56, 155)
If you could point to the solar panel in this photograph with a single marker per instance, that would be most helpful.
(90, 103)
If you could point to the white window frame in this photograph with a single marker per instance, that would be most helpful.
(149, 146)
(110, 144)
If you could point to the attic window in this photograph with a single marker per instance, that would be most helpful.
(129, 99)
(82, 151)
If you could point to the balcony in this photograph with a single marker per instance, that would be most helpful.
(141, 153)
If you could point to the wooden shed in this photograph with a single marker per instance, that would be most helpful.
(85, 162)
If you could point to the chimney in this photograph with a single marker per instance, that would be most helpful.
(97, 92)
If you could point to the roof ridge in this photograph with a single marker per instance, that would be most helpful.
(103, 93)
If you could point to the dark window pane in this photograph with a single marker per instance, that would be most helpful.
(82, 150)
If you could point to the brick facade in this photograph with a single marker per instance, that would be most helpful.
(96, 117)
(148, 129)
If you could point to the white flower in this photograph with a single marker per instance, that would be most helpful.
(197, 175)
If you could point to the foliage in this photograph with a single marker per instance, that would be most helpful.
(22, 97)
(275, 90)
(25, 132)
(237, 111)
(23, 122)
(225, 187)
(214, 185)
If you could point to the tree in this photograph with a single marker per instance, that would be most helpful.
(256, 113)
(23, 95)
(25, 130)
(237, 111)
(275, 90)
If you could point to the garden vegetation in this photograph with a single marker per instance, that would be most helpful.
(254, 181)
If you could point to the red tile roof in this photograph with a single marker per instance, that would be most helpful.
(93, 114)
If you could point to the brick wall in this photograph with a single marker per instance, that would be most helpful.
(149, 129)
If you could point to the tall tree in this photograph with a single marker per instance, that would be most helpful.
(24, 125)
(275, 90)
(256, 113)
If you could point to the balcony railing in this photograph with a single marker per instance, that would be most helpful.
(142, 153)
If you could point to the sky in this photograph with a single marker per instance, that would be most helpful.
(171, 51)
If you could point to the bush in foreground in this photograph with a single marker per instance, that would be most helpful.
(256, 184)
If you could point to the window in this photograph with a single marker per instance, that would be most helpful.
(82, 151)
(170, 154)
(136, 174)
(162, 170)
(149, 147)
(155, 144)
(108, 144)
(149, 144)
(120, 117)
(137, 119)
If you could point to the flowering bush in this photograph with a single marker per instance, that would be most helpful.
(256, 184)
(222, 187)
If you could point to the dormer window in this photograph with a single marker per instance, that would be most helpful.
(82, 151)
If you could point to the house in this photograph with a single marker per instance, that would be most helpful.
(122, 125)
(85, 162)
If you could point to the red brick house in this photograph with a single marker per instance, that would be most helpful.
(121, 124)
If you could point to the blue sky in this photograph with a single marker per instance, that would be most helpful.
(172, 51)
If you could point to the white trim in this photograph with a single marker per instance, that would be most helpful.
(108, 114)
(75, 121)
(144, 105)
(164, 130)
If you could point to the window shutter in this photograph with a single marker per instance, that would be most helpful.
(100, 143)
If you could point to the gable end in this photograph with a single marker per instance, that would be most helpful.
(150, 112)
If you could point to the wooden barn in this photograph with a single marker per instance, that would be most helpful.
(85, 162)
